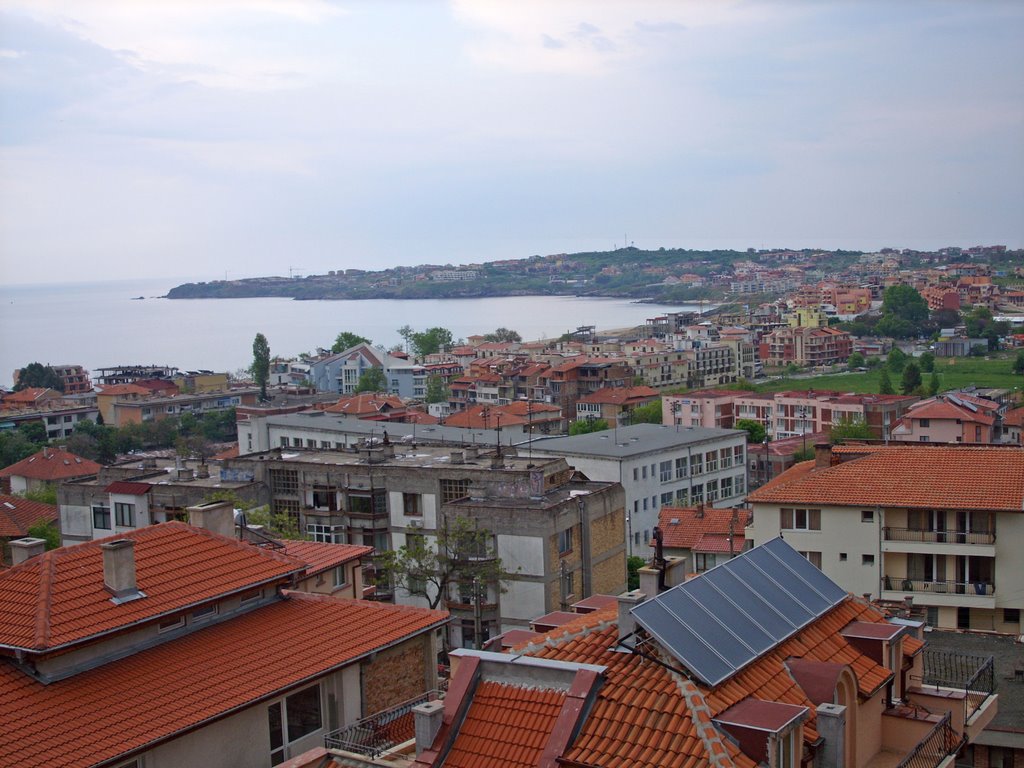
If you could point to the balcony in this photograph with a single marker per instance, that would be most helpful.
(974, 594)
(938, 748)
(383, 732)
(977, 543)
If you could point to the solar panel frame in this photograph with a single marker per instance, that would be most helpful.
(716, 624)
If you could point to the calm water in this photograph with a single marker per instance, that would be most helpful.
(101, 324)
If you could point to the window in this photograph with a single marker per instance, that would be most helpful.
(726, 487)
(737, 454)
(368, 504)
(325, 445)
(931, 617)
(711, 490)
(666, 498)
(683, 497)
(1011, 615)
(411, 505)
(740, 484)
(326, 534)
(643, 471)
(124, 514)
(867, 516)
(284, 480)
(785, 749)
(636, 473)
(565, 541)
(814, 558)
(325, 497)
(340, 576)
(703, 561)
(205, 612)
(289, 720)
(251, 597)
(310, 442)
(680, 469)
(867, 559)
(711, 461)
(697, 494)
(926, 422)
(284, 441)
(923, 439)
(666, 471)
(172, 623)
(645, 503)
(800, 519)
(725, 457)
(963, 618)
(101, 516)
(451, 490)
(842, 557)
(697, 464)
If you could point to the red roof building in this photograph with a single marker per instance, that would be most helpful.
(17, 515)
(46, 467)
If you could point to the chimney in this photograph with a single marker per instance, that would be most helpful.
(23, 549)
(700, 511)
(832, 729)
(457, 457)
(627, 624)
(119, 569)
(214, 516)
(822, 455)
(472, 452)
(203, 471)
(427, 719)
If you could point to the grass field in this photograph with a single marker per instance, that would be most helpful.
(954, 373)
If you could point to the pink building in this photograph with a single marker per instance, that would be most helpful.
(948, 419)
(705, 408)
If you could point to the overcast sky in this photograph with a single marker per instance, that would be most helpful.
(204, 138)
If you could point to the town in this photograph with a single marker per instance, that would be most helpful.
(784, 530)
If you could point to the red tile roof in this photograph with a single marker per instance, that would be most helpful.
(128, 488)
(682, 527)
(321, 556)
(506, 725)
(58, 598)
(51, 464)
(932, 477)
(938, 409)
(94, 716)
(123, 389)
(17, 515)
(620, 395)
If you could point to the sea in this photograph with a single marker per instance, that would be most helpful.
(105, 324)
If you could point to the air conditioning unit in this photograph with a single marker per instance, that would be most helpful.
(415, 524)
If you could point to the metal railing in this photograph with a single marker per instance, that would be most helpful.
(374, 735)
(938, 537)
(941, 742)
(902, 584)
(974, 675)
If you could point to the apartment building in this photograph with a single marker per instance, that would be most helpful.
(951, 418)
(614, 404)
(658, 466)
(806, 346)
(172, 645)
(45, 469)
(941, 524)
(713, 409)
(122, 404)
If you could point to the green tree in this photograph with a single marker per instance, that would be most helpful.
(347, 340)
(927, 362)
(462, 557)
(856, 360)
(896, 360)
(503, 335)
(261, 363)
(586, 426)
(34, 431)
(804, 454)
(885, 383)
(755, 430)
(437, 390)
(371, 380)
(1018, 362)
(38, 375)
(848, 428)
(904, 312)
(430, 341)
(48, 532)
(911, 378)
(633, 565)
(278, 525)
(873, 362)
(45, 494)
(648, 413)
(933, 384)
(14, 447)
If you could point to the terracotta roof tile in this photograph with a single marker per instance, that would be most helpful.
(321, 556)
(682, 527)
(51, 464)
(17, 515)
(58, 598)
(906, 476)
(94, 715)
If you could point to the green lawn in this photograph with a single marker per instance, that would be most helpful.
(954, 373)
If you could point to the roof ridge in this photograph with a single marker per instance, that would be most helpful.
(700, 715)
(47, 571)
(237, 543)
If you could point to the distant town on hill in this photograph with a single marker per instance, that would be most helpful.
(668, 275)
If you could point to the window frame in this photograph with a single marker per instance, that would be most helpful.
(105, 510)
(124, 510)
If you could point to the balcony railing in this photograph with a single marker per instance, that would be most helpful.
(938, 537)
(378, 733)
(902, 584)
(974, 675)
(941, 742)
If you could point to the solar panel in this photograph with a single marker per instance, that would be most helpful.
(719, 622)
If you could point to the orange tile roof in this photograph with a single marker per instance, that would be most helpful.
(51, 464)
(58, 598)
(1014, 418)
(94, 715)
(123, 389)
(932, 477)
(945, 410)
(620, 395)
(17, 515)
(681, 527)
(507, 725)
(320, 556)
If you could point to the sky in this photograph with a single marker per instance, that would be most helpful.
(204, 139)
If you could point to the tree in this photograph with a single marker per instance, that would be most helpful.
(347, 340)
(911, 378)
(14, 447)
(633, 565)
(755, 430)
(261, 363)
(428, 342)
(896, 360)
(927, 362)
(848, 428)
(586, 426)
(885, 383)
(873, 362)
(503, 335)
(47, 532)
(437, 390)
(904, 312)
(1018, 362)
(464, 556)
(34, 431)
(371, 380)
(648, 413)
(44, 494)
(933, 384)
(38, 375)
(856, 360)
(804, 454)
